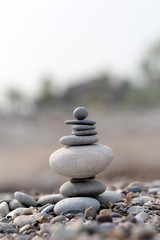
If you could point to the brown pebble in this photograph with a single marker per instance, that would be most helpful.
(43, 219)
(104, 218)
(27, 211)
(90, 213)
(70, 216)
(105, 212)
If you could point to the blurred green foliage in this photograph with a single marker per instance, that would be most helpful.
(102, 90)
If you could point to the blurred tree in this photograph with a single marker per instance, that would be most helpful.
(150, 66)
(15, 99)
(46, 96)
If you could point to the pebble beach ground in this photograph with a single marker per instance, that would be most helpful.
(127, 211)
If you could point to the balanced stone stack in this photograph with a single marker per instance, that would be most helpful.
(81, 160)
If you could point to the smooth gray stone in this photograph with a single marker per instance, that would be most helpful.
(86, 188)
(84, 133)
(80, 203)
(81, 122)
(81, 161)
(78, 140)
(7, 228)
(135, 210)
(80, 113)
(135, 189)
(111, 196)
(24, 220)
(4, 209)
(15, 204)
(48, 208)
(83, 127)
(51, 198)
(25, 199)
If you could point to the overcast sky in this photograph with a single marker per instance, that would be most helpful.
(72, 38)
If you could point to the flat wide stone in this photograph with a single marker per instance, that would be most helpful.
(76, 203)
(81, 161)
(78, 140)
(86, 188)
(83, 127)
(80, 122)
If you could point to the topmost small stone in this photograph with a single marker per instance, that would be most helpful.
(80, 113)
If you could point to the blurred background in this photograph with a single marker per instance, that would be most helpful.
(58, 55)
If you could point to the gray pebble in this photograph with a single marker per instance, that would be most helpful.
(23, 220)
(83, 127)
(81, 122)
(15, 204)
(51, 198)
(86, 188)
(58, 219)
(135, 189)
(106, 228)
(111, 196)
(48, 208)
(78, 140)
(4, 209)
(80, 203)
(25, 199)
(80, 113)
(7, 228)
(85, 133)
(135, 210)
(43, 207)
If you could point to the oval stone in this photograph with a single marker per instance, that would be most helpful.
(83, 127)
(85, 132)
(51, 198)
(78, 140)
(25, 199)
(86, 188)
(81, 161)
(111, 196)
(76, 203)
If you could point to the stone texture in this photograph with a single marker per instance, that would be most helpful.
(77, 203)
(23, 220)
(90, 213)
(81, 122)
(80, 113)
(83, 127)
(86, 188)
(84, 133)
(15, 204)
(4, 209)
(111, 196)
(78, 140)
(81, 161)
(51, 198)
(25, 199)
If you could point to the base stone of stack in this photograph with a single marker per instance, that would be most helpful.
(81, 161)
(86, 188)
(75, 203)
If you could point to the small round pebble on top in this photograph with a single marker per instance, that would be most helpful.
(80, 113)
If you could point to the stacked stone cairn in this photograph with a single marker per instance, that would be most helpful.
(81, 159)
